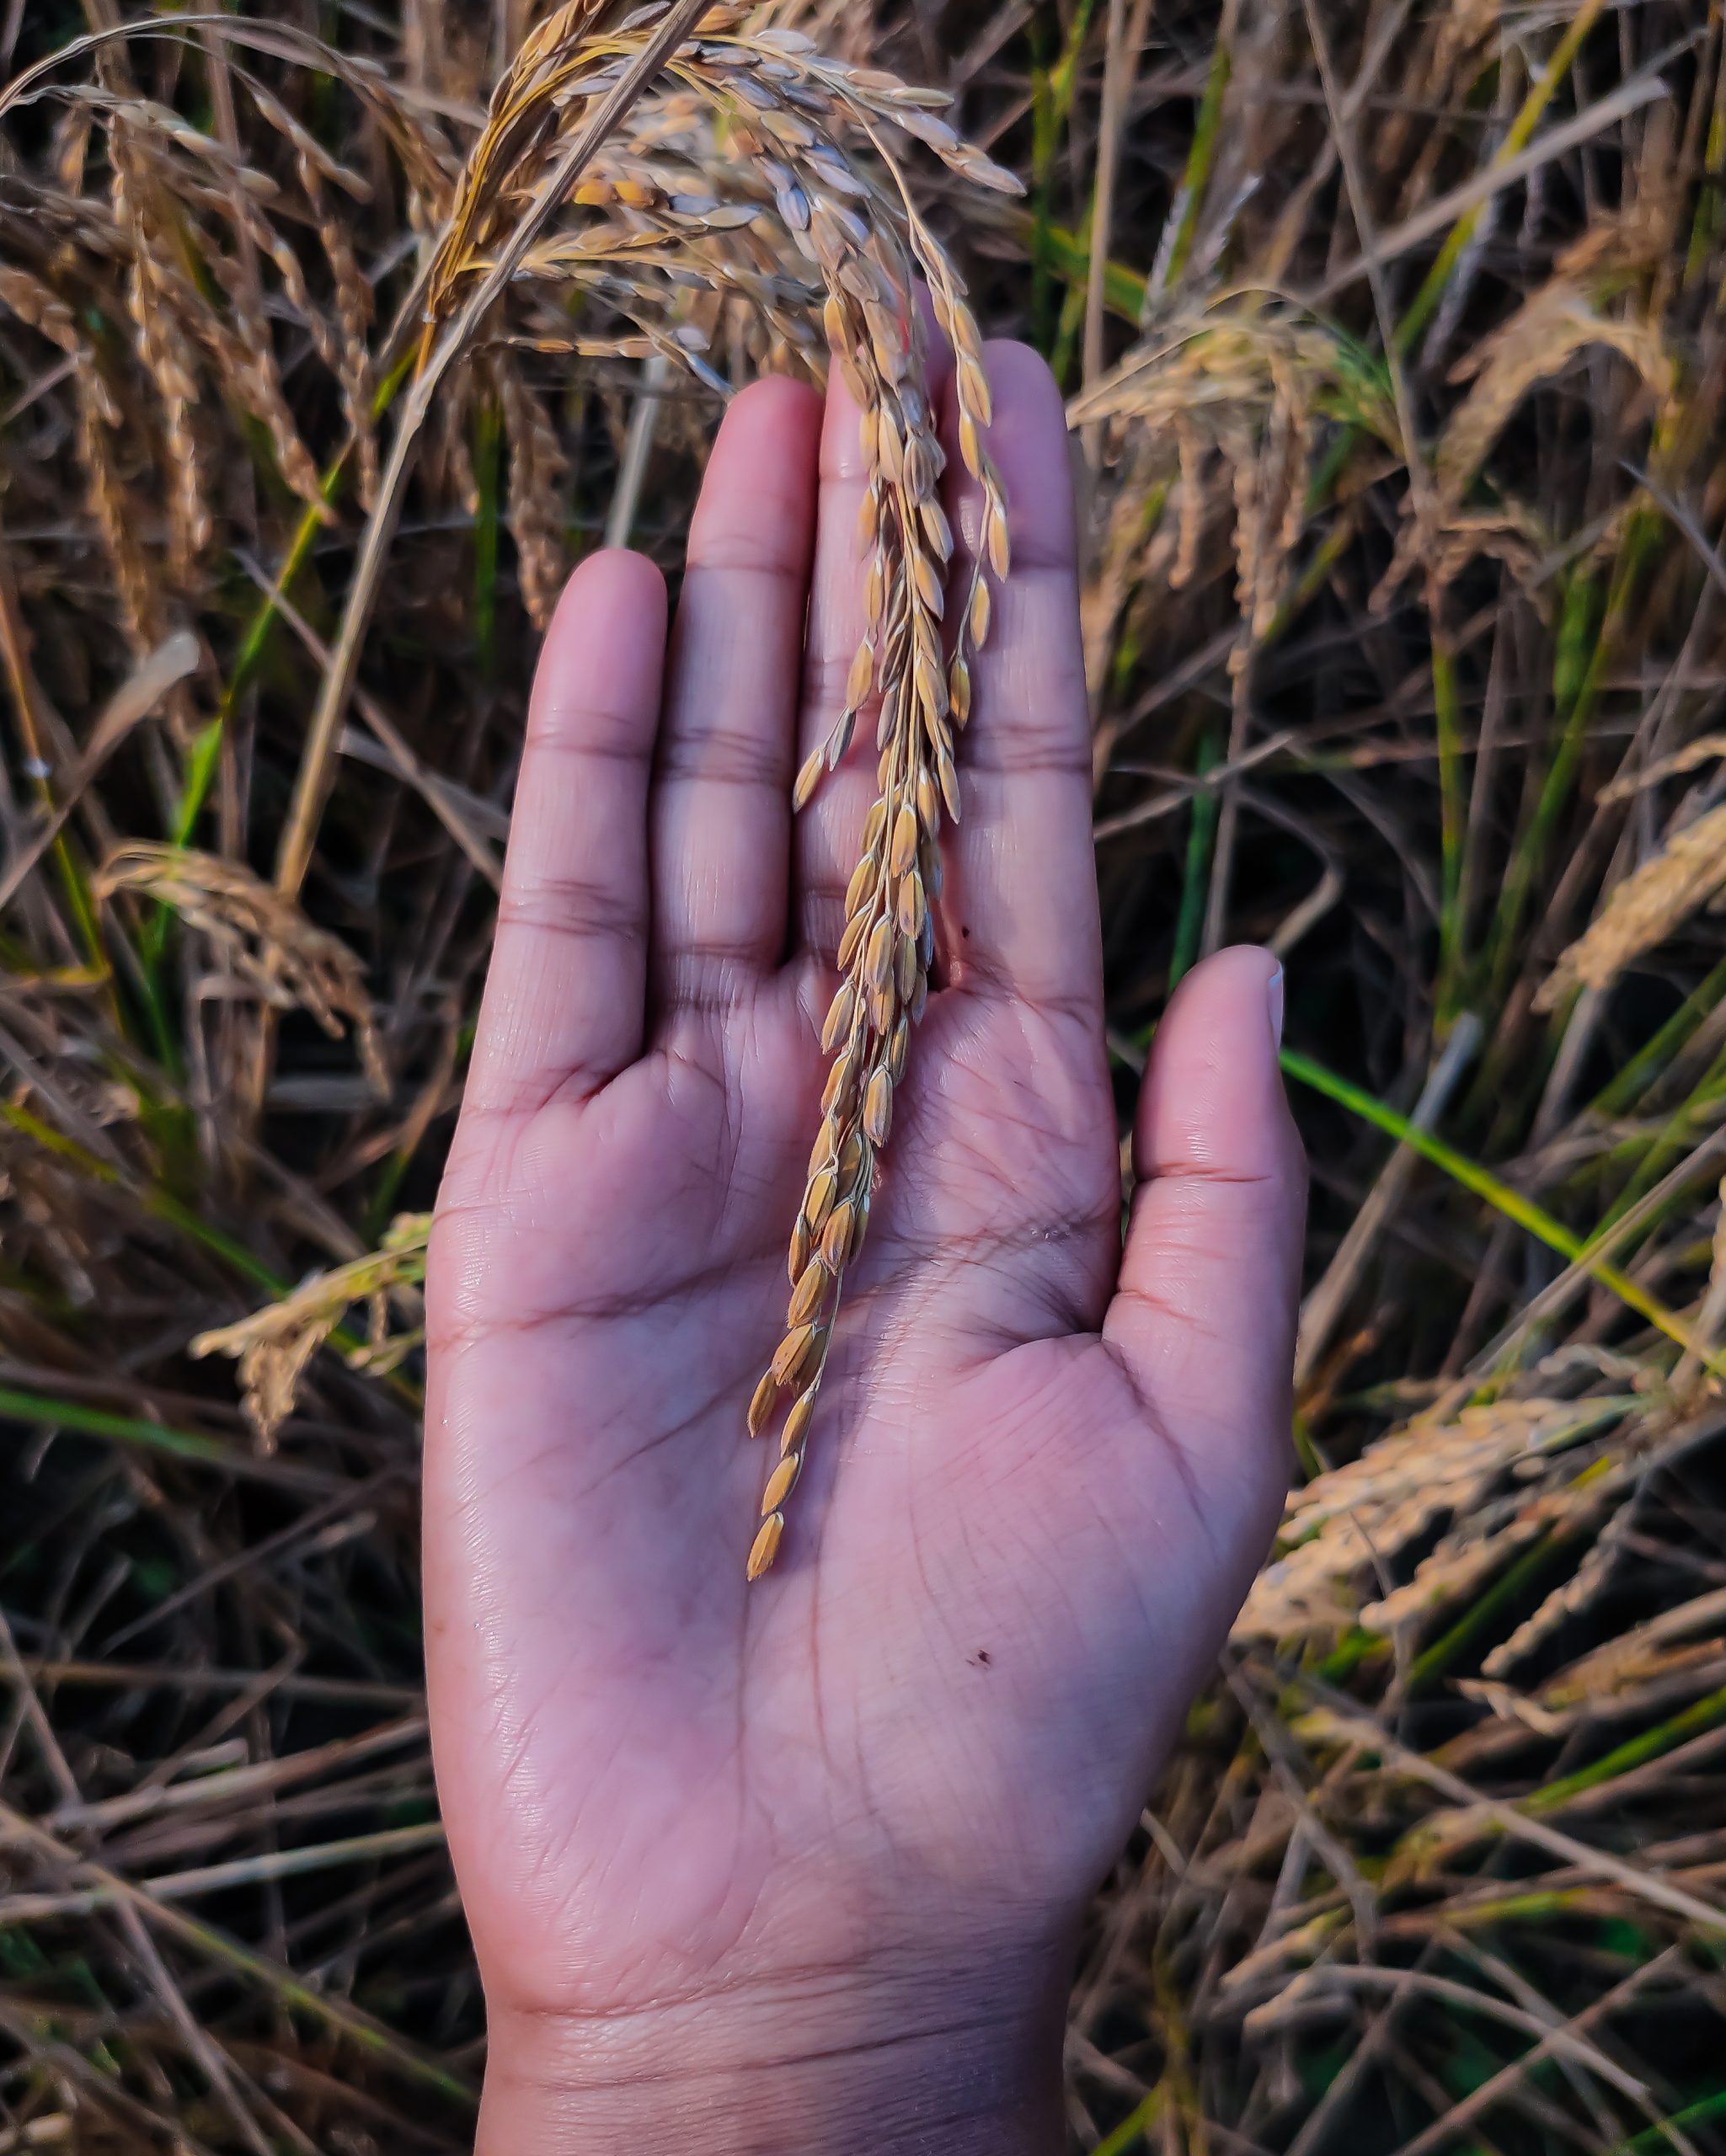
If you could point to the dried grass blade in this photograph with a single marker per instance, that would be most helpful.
(170, 663)
(342, 2019)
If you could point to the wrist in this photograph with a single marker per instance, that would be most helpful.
(948, 2062)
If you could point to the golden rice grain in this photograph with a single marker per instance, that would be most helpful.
(762, 1406)
(806, 1295)
(766, 1546)
(797, 1354)
(796, 1423)
(781, 1481)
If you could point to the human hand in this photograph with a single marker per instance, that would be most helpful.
(771, 1866)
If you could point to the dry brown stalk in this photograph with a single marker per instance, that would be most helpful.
(149, 682)
(1338, 1720)
(608, 99)
(1706, 749)
(1646, 1653)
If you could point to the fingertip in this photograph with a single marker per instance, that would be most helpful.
(757, 505)
(1211, 1274)
(1213, 1101)
(1019, 370)
(774, 414)
(1227, 984)
(603, 653)
(1027, 442)
(778, 393)
(609, 576)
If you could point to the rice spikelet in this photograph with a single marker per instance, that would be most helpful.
(287, 960)
(1644, 909)
(274, 1345)
(1346, 1526)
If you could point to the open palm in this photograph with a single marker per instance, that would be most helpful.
(1040, 1474)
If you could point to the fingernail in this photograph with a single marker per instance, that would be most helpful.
(1275, 990)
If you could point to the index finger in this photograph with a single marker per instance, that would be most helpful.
(565, 1000)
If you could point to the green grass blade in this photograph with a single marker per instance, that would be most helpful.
(1496, 1193)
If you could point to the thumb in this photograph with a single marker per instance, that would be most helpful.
(1204, 1316)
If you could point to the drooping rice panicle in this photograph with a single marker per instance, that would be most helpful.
(870, 247)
